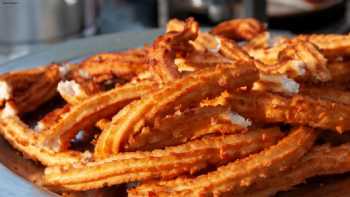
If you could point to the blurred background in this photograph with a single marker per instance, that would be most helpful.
(27, 26)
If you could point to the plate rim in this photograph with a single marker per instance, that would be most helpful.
(80, 47)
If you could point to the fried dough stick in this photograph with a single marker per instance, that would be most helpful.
(24, 139)
(205, 53)
(192, 124)
(261, 41)
(300, 60)
(237, 176)
(185, 126)
(239, 29)
(271, 108)
(206, 50)
(314, 61)
(30, 88)
(86, 113)
(105, 66)
(331, 45)
(51, 118)
(167, 163)
(272, 77)
(183, 93)
(72, 92)
(204, 43)
(195, 60)
(230, 51)
(163, 51)
(338, 70)
(321, 160)
(175, 25)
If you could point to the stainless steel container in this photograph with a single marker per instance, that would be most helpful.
(214, 10)
(37, 21)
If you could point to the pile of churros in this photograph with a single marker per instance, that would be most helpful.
(229, 112)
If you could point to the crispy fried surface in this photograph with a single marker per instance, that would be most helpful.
(52, 117)
(179, 128)
(165, 164)
(315, 63)
(239, 29)
(28, 89)
(300, 60)
(321, 160)
(184, 92)
(304, 110)
(196, 60)
(204, 42)
(85, 114)
(261, 41)
(231, 50)
(25, 140)
(236, 176)
(332, 45)
(163, 51)
(126, 64)
(272, 77)
(72, 92)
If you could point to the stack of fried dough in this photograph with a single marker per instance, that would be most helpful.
(229, 112)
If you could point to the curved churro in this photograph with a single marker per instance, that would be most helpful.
(86, 113)
(297, 110)
(28, 89)
(237, 176)
(25, 140)
(239, 29)
(184, 92)
(184, 159)
(322, 160)
(163, 52)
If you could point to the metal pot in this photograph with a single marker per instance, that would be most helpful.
(214, 10)
(37, 21)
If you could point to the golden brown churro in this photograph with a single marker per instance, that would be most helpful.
(236, 176)
(165, 164)
(185, 92)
